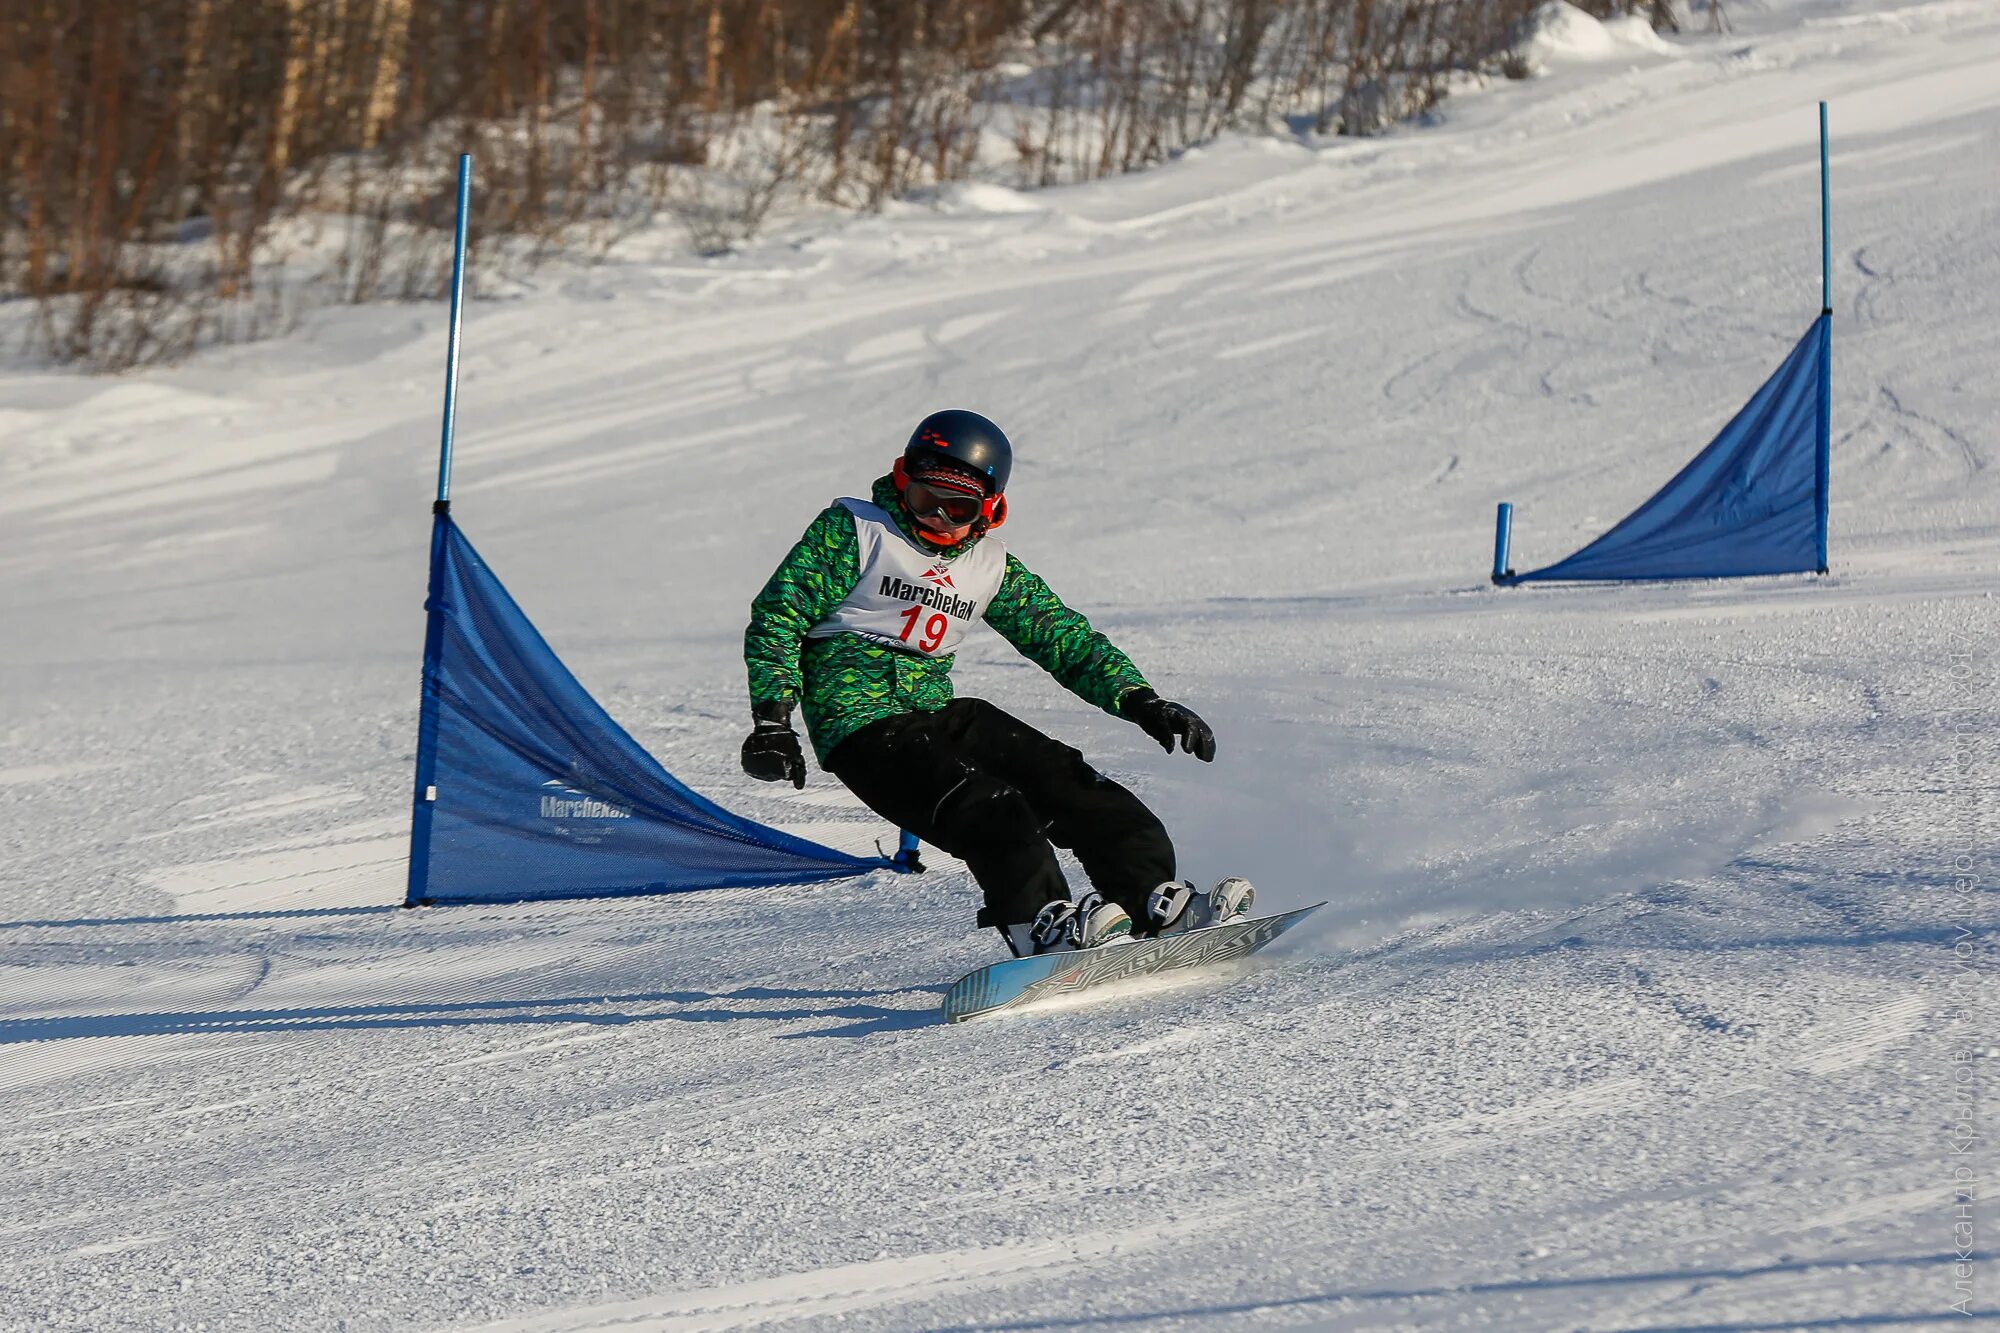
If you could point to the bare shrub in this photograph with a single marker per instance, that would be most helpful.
(181, 171)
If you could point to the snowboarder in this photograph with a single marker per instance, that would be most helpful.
(859, 625)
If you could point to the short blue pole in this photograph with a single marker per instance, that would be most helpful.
(457, 302)
(1825, 223)
(1503, 542)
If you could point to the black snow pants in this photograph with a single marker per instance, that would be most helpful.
(994, 792)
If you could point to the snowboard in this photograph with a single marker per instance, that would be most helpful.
(1014, 982)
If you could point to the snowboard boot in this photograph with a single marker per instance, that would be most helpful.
(1175, 906)
(1062, 924)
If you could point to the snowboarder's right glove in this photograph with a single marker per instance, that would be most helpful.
(771, 753)
(1166, 722)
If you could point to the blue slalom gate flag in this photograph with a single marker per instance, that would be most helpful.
(526, 788)
(1753, 502)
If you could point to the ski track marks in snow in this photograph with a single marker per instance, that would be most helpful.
(837, 1292)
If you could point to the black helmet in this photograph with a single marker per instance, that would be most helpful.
(964, 439)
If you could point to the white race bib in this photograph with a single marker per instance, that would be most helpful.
(911, 598)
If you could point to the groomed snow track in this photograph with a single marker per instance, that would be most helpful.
(1643, 993)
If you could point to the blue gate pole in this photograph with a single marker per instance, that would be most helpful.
(1824, 471)
(425, 802)
(1503, 542)
(1825, 223)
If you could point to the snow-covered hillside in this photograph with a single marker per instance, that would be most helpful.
(1637, 1004)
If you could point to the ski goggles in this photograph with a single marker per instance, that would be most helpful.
(953, 507)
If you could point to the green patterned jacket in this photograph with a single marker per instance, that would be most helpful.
(844, 682)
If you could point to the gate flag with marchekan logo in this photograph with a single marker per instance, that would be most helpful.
(529, 790)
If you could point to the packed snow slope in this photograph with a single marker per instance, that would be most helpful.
(1644, 999)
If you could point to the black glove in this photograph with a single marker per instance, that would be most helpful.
(771, 753)
(1164, 721)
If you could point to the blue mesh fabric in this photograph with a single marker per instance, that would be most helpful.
(539, 793)
(1753, 502)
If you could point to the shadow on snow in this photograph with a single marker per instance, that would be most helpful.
(280, 914)
(863, 1019)
(1524, 1286)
